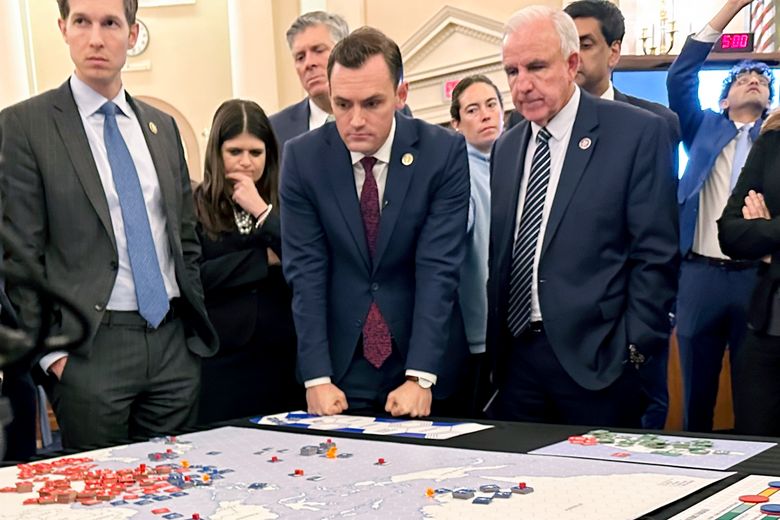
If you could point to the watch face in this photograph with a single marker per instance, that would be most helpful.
(142, 42)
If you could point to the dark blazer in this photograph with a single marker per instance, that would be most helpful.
(234, 269)
(291, 122)
(421, 245)
(658, 109)
(607, 272)
(55, 200)
(704, 133)
(754, 239)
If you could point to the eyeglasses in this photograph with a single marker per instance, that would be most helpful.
(744, 78)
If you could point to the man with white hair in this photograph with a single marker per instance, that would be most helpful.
(583, 239)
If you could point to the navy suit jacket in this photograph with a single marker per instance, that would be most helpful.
(420, 248)
(608, 266)
(291, 122)
(670, 117)
(704, 133)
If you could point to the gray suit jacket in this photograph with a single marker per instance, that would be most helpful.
(54, 200)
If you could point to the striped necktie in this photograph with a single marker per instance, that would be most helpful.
(524, 249)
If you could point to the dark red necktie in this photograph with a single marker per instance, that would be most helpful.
(376, 334)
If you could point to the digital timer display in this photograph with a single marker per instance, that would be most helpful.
(735, 42)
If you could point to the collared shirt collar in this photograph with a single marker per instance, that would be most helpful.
(609, 94)
(381, 155)
(89, 101)
(317, 116)
(473, 152)
(563, 120)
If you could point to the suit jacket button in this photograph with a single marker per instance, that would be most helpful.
(98, 307)
(357, 323)
(374, 287)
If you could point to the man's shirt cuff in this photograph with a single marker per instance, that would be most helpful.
(707, 35)
(422, 375)
(316, 382)
(49, 359)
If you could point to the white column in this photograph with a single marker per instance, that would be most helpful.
(253, 52)
(313, 5)
(14, 73)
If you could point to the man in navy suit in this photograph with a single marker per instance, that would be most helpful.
(374, 211)
(310, 38)
(601, 28)
(714, 289)
(583, 239)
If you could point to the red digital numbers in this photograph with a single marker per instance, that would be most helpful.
(735, 41)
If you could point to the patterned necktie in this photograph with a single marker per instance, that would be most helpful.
(149, 286)
(740, 154)
(376, 335)
(524, 250)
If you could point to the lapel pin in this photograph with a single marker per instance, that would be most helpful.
(407, 159)
(153, 127)
(585, 143)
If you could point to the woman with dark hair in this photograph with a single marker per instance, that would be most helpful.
(246, 296)
(749, 229)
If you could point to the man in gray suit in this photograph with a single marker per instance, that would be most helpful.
(96, 183)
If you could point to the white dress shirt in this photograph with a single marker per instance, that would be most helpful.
(382, 157)
(88, 101)
(560, 128)
(317, 116)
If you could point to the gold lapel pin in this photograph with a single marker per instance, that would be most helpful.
(153, 127)
(407, 159)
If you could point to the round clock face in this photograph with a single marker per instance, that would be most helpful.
(142, 42)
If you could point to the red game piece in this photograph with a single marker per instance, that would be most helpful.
(161, 511)
(521, 485)
(754, 499)
(299, 472)
(195, 516)
(274, 459)
(380, 461)
(30, 501)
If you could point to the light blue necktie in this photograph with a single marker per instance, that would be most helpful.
(149, 286)
(740, 154)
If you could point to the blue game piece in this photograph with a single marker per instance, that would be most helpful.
(442, 491)
(258, 485)
(775, 484)
(143, 502)
(178, 494)
(223, 471)
(770, 509)
(119, 503)
(172, 516)
(482, 500)
(489, 488)
(160, 498)
(148, 496)
(463, 494)
(213, 452)
(503, 494)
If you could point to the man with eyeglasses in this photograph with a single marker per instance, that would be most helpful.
(714, 290)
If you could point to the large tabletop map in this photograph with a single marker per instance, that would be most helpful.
(244, 473)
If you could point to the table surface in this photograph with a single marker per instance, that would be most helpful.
(524, 437)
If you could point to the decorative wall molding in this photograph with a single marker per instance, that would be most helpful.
(451, 45)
